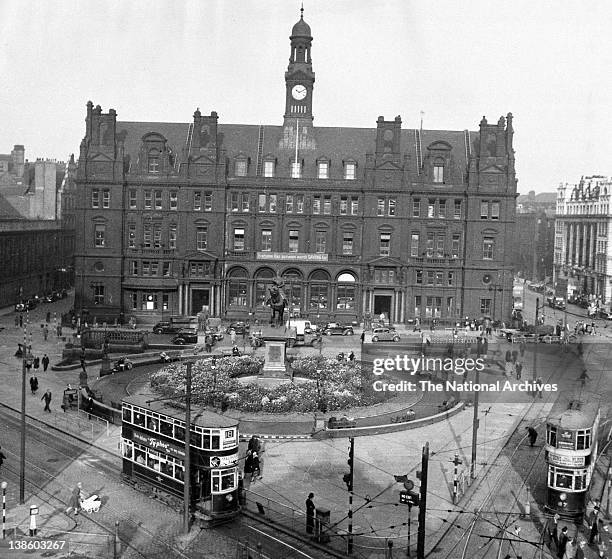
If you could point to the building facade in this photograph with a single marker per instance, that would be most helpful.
(174, 218)
(535, 238)
(583, 253)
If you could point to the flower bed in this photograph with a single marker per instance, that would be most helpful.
(330, 385)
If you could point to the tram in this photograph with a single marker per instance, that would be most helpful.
(153, 448)
(570, 452)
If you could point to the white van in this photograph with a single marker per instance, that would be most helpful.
(301, 327)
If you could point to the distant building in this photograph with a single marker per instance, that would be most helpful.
(583, 251)
(532, 203)
(173, 218)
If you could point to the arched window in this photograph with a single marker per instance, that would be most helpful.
(263, 280)
(237, 288)
(346, 292)
(293, 289)
(319, 290)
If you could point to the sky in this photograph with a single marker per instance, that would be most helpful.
(547, 62)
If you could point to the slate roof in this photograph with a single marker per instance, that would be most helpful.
(8, 212)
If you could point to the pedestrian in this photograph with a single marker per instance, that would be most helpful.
(16, 320)
(59, 330)
(48, 317)
(47, 398)
(33, 384)
(351, 356)
(580, 550)
(2, 457)
(248, 465)
(261, 449)
(45, 362)
(532, 434)
(570, 550)
(75, 499)
(310, 513)
(538, 390)
(36, 362)
(519, 370)
(584, 377)
(256, 471)
(83, 365)
(46, 332)
(362, 337)
(233, 336)
(563, 539)
(594, 533)
(20, 321)
(522, 347)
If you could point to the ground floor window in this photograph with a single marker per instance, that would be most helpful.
(433, 307)
(485, 306)
(237, 288)
(148, 301)
(319, 296)
(345, 299)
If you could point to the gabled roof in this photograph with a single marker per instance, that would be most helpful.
(7, 211)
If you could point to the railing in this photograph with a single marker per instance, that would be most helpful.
(89, 416)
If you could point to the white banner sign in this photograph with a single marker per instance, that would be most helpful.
(564, 460)
(291, 256)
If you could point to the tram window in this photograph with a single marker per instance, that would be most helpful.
(580, 482)
(551, 435)
(153, 462)
(179, 473)
(139, 419)
(139, 456)
(127, 451)
(166, 468)
(152, 424)
(165, 428)
(127, 415)
(583, 439)
(216, 442)
(227, 481)
(196, 438)
(179, 433)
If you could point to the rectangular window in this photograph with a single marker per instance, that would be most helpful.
(266, 240)
(418, 277)
(148, 200)
(134, 300)
(197, 201)
(347, 244)
(133, 203)
(385, 244)
(349, 171)
(235, 202)
(416, 207)
(343, 205)
(485, 306)
(173, 200)
(488, 245)
(299, 203)
(494, 210)
(439, 278)
(146, 268)
(147, 235)
(245, 202)
(430, 245)
(154, 268)
(417, 305)
(201, 237)
(484, 210)
(268, 168)
(98, 294)
(438, 173)
(241, 168)
(327, 205)
(380, 207)
(106, 198)
(296, 170)
(165, 301)
(132, 235)
(320, 242)
(172, 236)
(289, 204)
(261, 203)
(166, 269)
(457, 210)
(272, 206)
(323, 170)
(294, 240)
(208, 201)
(316, 204)
(238, 239)
(158, 199)
(451, 278)
(157, 235)
(414, 244)
(440, 246)
(431, 208)
(354, 206)
(391, 206)
(450, 311)
(441, 209)
(95, 198)
(430, 277)
(100, 235)
(456, 245)
(134, 267)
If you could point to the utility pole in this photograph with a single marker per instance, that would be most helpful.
(475, 420)
(423, 503)
(535, 347)
(187, 473)
(349, 484)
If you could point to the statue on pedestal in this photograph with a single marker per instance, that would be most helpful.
(277, 302)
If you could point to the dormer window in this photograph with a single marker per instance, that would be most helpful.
(296, 170)
(269, 168)
(349, 170)
(241, 166)
(153, 164)
(438, 171)
(323, 170)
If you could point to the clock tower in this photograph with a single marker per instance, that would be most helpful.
(299, 77)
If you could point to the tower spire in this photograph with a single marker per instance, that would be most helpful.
(302, 11)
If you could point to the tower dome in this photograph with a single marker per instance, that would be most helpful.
(301, 28)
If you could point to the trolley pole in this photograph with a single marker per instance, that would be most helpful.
(456, 462)
(423, 503)
(187, 474)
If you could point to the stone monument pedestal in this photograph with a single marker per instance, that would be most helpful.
(275, 366)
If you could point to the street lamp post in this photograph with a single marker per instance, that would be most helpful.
(25, 361)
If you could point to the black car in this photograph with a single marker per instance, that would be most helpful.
(239, 327)
(27, 305)
(336, 329)
(185, 337)
(165, 328)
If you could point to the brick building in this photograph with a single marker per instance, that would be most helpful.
(174, 217)
(535, 239)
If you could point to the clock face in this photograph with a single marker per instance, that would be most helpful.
(299, 92)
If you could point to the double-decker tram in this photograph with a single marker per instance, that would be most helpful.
(153, 441)
(571, 452)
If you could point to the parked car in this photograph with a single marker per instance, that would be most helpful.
(215, 333)
(239, 327)
(20, 307)
(385, 335)
(336, 329)
(556, 302)
(166, 328)
(123, 364)
(185, 337)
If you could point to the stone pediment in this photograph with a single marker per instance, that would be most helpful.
(203, 160)
(493, 169)
(388, 261)
(102, 157)
(202, 255)
(388, 166)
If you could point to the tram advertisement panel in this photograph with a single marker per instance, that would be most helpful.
(566, 440)
(156, 444)
(564, 460)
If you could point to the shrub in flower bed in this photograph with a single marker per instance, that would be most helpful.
(331, 385)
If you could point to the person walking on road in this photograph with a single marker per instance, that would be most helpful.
(570, 550)
(563, 539)
(33, 384)
(310, 513)
(45, 362)
(233, 336)
(46, 332)
(2, 457)
(255, 469)
(362, 337)
(532, 434)
(519, 369)
(584, 377)
(47, 398)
